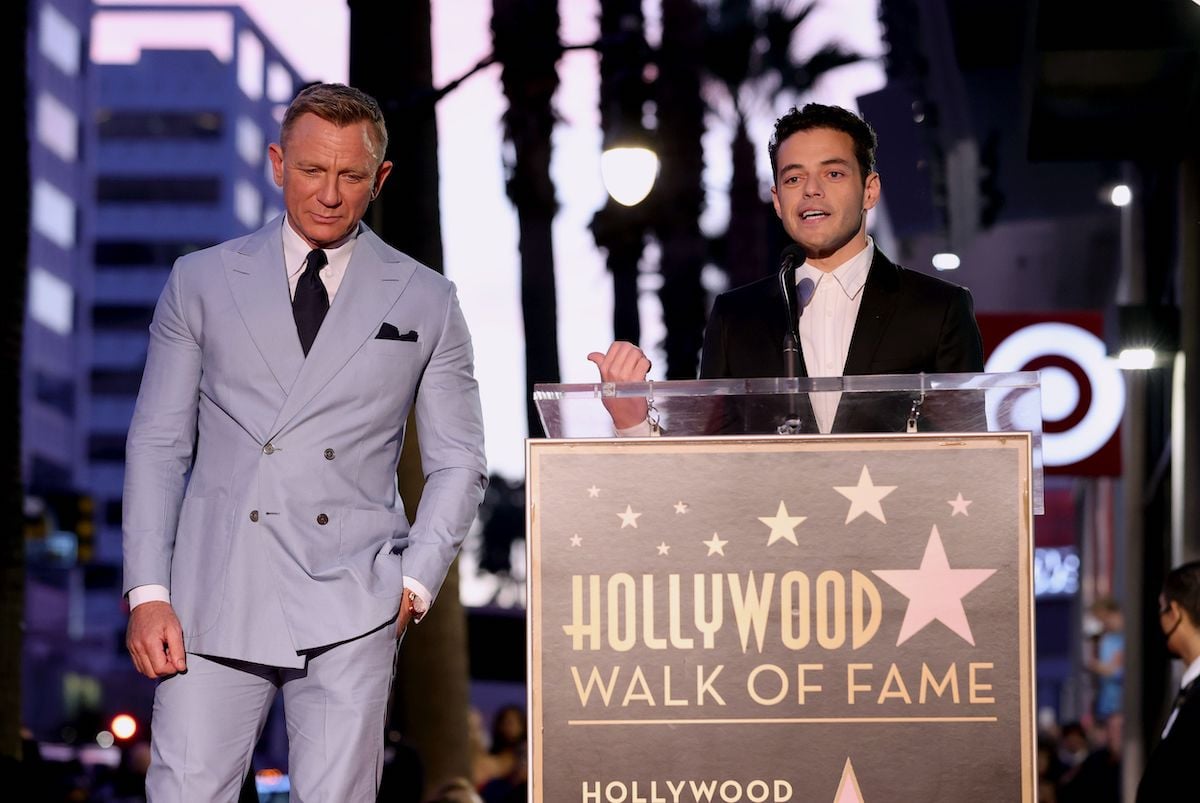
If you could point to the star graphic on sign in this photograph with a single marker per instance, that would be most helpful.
(715, 546)
(629, 518)
(663, 549)
(934, 591)
(576, 539)
(864, 497)
(593, 492)
(782, 525)
(848, 791)
(959, 505)
(681, 507)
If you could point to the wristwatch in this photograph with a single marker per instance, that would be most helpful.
(416, 605)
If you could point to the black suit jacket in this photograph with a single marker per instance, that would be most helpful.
(1170, 773)
(908, 323)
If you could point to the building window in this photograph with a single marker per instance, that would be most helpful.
(53, 214)
(138, 254)
(57, 127)
(200, 125)
(56, 392)
(250, 65)
(280, 87)
(106, 448)
(121, 316)
(116, 382)
(51, 301)
(249, 141)
(59, 40)
(197, 190)
(247, 204)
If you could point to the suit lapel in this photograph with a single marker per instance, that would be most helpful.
(874, 314)
(258, 281)
(374, 279)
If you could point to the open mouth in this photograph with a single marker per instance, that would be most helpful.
(813, 214)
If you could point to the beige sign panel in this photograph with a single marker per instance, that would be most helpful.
(835, 620)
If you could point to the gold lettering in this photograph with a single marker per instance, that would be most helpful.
(580, 626)
(975, 686)
(863, 592)
(621, 585)
(893, 679)
(801, 686)
(949, 679)
(751, 609)
(595, 681)
(651, 641)
(673, 615)
(796, 612)
(639, 690)
(752, 686)
(851, 686)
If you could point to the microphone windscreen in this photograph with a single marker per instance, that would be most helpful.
(793, 253)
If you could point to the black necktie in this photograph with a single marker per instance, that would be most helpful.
(311, 301)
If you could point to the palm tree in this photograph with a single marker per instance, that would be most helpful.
(680, 192)
(749, 55)
(525, 42)
(429, 709)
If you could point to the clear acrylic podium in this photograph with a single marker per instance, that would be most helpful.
(878, 404)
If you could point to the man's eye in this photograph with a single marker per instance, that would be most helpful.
(836, 174)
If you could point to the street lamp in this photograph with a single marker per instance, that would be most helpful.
(629, 172)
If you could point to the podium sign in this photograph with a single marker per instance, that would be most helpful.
(804, 618)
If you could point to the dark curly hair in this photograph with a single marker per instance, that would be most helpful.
(817, 115)
(1182, 585)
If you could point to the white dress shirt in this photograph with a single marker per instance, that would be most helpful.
(830, 303)
(295, 254)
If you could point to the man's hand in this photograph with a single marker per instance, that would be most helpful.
(155, 640)
(624, 362)
(408, 612)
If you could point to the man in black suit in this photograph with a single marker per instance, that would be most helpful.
(860, 313)
(1170, 772)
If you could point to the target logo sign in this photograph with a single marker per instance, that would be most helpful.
(1083, 391)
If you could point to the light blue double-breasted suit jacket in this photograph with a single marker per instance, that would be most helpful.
(260, 484)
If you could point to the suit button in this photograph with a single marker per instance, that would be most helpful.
(322, 519)
(329, 454)
(253, 515)
(269, 449)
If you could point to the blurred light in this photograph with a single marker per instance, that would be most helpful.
(1136, 359)
(105, 739)
(946, 261)
(628, 173)
(124, 726)
(1121, 195)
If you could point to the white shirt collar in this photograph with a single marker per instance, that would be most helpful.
(296, 248)
(850, 276)
(1191, 673)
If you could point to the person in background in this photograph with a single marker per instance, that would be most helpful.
(1107, 663)
(1170, 769)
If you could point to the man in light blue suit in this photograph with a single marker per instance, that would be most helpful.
(266, 546)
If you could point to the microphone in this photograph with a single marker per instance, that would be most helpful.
(792, 255)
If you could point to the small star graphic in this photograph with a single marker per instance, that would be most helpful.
(959, 505)
(782, 525)
(715, 546)
(663, 549)
(934, 591)
(593, 492)
(848, 791)
(864, 497)
(681, 507)
(576, 539)
(629, 518)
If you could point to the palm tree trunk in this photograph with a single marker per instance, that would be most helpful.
(525, 42)
(431, 693)
(680, 186)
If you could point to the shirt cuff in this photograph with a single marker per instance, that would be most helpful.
(148, 593)
(638, 430)
(423, 599)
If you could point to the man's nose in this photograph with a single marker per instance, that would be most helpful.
(328, 194)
